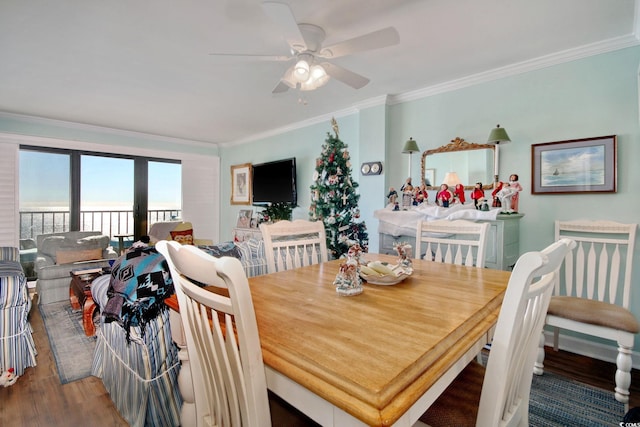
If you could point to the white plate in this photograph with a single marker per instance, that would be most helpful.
(389, 279)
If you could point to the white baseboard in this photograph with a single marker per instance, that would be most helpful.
(607, 353)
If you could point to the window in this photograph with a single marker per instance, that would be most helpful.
(62, 190)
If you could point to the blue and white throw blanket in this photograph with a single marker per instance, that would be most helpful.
(140, 282)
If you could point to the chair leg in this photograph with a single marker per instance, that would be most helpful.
(556, 338)
(623, 374)
(538, 367)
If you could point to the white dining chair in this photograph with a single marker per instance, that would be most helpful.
(459, 242)
(595, 291)
(293, 244)
(227, 370)
(499, 394)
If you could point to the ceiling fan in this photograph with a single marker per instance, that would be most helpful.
(311, 68)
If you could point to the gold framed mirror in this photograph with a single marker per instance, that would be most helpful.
(472, 162)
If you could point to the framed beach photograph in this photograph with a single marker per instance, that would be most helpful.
(241, 184)
(575, 166)
(244, 218)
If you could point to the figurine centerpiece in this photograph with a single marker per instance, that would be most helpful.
(348, 281)
(404, 254)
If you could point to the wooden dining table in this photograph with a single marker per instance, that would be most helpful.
(378, 358)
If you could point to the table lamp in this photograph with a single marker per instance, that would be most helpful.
(410, 147)
(497, 136)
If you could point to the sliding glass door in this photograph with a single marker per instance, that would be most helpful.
(62, 190)
(106, 194)
(45, 192)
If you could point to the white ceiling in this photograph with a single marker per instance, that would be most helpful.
(144, 65)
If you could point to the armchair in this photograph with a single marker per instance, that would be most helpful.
(60, 253)
(17, 348)
(181, 232)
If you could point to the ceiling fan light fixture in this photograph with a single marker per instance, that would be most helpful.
(318, 77)
(289, 77)
(301, 71)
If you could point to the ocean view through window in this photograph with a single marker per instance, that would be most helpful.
(101, 198)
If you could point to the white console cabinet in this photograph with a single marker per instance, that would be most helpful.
(503, 242)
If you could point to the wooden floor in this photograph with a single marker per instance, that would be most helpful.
(38, 398)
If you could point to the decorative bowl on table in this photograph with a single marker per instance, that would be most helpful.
(381, 273)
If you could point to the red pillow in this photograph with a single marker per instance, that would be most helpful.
(184, 237)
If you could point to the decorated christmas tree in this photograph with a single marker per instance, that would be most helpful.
(334, 199)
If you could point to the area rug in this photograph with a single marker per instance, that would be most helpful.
(72, 350)
(560, 402)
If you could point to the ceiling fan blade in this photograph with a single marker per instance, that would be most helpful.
(281, 14)
(378, 39)
(280, 87)
(347, 77)
(286, 81)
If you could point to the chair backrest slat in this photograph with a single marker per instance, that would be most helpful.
(222, 338)
(507, 383)
(601, 266)
(293, 244)
(452, 242)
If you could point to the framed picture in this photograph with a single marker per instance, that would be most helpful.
(430, 177)
(575, 166)
(241, 184)
(244, 218)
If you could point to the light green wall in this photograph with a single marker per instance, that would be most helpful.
(303, 144)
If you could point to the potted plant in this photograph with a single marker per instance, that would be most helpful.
(276, 212)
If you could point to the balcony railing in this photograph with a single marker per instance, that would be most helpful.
(110, 223)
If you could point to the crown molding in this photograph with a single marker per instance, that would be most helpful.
(520, 67)
(484, 77)
(34, 120)
(368, 103)
(42, 141)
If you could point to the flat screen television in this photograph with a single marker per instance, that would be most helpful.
(275, 182)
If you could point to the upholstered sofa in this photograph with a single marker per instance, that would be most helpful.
(17, 348)
(60, 253)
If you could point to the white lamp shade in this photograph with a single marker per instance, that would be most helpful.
(451, 179)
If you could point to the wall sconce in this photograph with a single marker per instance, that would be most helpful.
(410, 147)
(497, 136)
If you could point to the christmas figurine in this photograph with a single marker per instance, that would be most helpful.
(444, 196)
(504, 195)
(392, 196)
(407, 194)
(8, 377)
(515, 184)
(420, 195)
(404, 254)
(477, 195)
(458, 194)
(406, 183)
(348, 281)
(496, 200)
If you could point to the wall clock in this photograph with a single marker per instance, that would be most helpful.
(371, 168)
